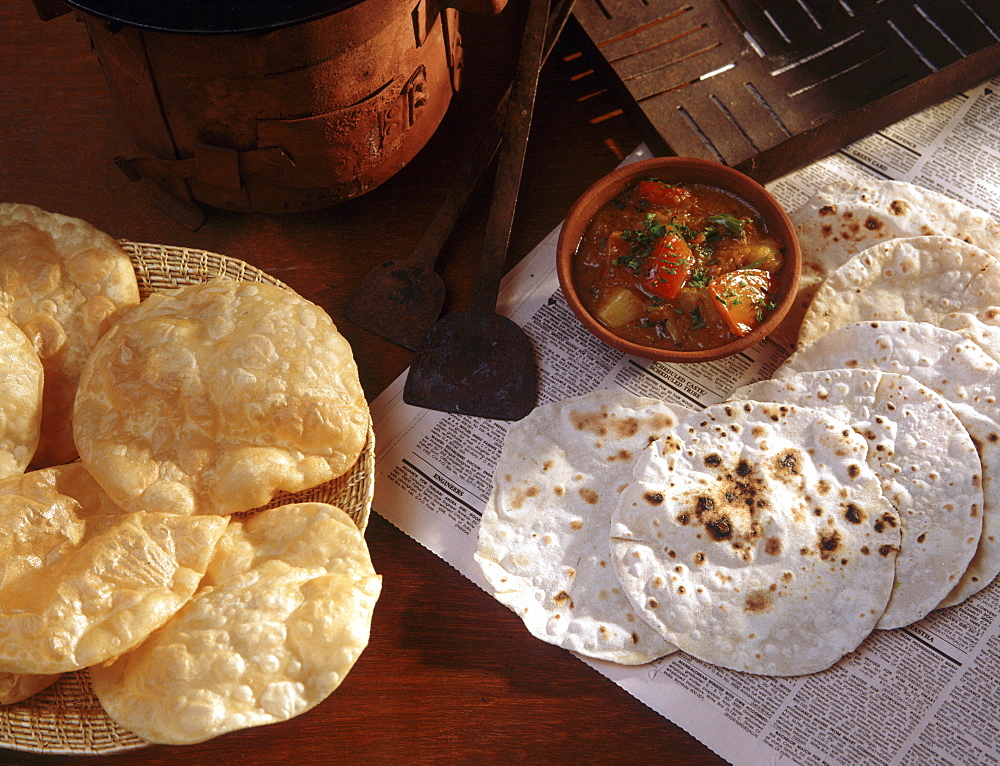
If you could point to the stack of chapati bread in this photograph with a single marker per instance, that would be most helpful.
(142, 560)
(772, 533)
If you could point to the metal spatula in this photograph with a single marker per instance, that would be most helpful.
(475, 362)
(401, 298)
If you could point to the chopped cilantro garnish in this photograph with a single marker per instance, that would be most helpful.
(697, 320)
(699, 279)
(765, 306)
(730, 222)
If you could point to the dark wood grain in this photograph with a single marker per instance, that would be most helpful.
(450, 676)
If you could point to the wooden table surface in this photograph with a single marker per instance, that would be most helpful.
(450, 675)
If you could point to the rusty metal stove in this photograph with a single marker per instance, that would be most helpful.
(275, 107)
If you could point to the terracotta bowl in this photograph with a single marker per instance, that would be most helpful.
(676, 170)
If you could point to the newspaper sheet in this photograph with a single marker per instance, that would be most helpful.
(925, 694)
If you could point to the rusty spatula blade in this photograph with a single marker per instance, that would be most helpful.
(489, 352)
(401, 298)
(476, 362)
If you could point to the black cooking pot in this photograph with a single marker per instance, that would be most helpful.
(210, 16)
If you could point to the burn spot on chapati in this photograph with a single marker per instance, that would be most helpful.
(854, 514)
(717, 525)
(562, 598)
(757, 601)
(773, 546)
(590, 422)
(626, 427)
(623, 454)
(576, 524)
(789, 461)
(713, 461)
(547, 466)
(720, 528)
(775, 413)
(854, 470)
(519, 495)
(653, 498)
(899, 207)
(589, 496)
(829, 543)
(873, 224)
(886, 520)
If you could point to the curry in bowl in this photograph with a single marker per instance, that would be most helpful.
(677, 255)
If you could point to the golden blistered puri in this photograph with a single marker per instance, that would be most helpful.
(64, 283)
(20, 399)
(213, 397)
(82, 582)
(15, 687)
(283, 613)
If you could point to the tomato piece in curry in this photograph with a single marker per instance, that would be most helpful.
(678, 266)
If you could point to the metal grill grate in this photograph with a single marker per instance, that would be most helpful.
(768, 85)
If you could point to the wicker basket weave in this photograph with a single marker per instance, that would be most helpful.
(66, 718)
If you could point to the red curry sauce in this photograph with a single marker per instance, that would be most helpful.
(678, 266)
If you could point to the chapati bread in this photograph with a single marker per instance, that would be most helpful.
(844, 218)
(82, 582)
(543, 540)
(64, 283)
(211, 398)
(939, 280)
(761, 542)
(282, 615)
(20, 399)
(946, 363)
(927, 464)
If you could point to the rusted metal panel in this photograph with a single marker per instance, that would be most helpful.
(741, 80)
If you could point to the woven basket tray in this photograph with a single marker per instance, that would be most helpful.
(66, 718)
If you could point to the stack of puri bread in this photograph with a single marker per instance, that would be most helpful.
(138, 440)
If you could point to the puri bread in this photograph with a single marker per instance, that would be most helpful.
(761, 541)
(939, 280)
(846, 217)
(282, 615)
(948, 364)
(15, 687)
(83, 582)
(64, 283)
(927, 464)
(213, 397)
(20, 398)
(543, 540)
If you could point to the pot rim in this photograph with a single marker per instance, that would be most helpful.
(220, 17)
